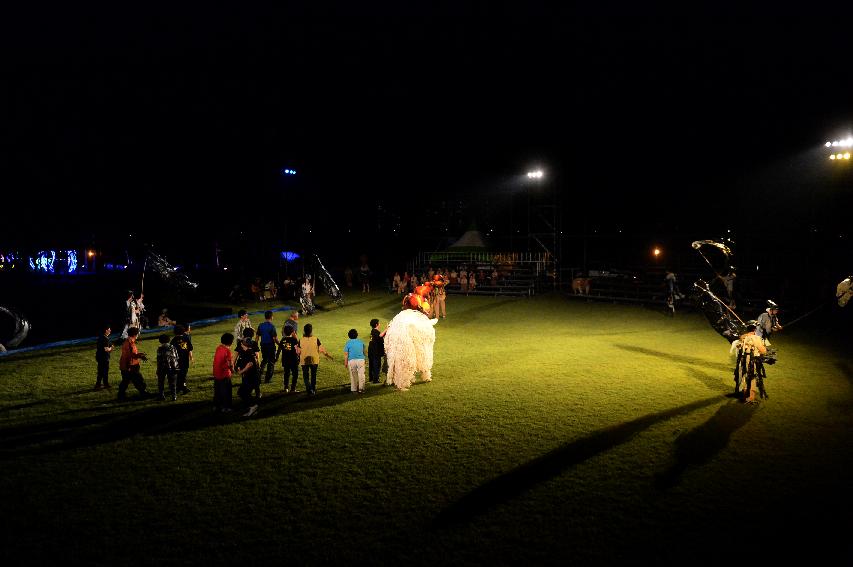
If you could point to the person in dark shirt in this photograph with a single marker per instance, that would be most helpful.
(375, 351)
(269, 339)
(102, 355)
(167, 367)
(288, 349)
(184, 346)
(247, 367)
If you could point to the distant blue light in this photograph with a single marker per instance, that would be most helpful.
(72, 261)
(44, 261)
(288, 171)
(289, 256)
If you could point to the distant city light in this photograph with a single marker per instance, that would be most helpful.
(288, 171)
(656, 252)
(538, 174)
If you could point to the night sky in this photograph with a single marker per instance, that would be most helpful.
(162, 119)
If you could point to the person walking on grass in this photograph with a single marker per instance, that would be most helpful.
(102, 355)
(310, 349)
(222, 363)
(167, 367)
(243, 323)
(183, 344)
(268, 339)
(375, 351)
(354, 361)
(247, 367)
(288, 349)
(129, 366)
(292, 322)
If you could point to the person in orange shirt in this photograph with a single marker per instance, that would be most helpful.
(129, 366)
(222, 365)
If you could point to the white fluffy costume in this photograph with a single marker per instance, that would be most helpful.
(409, 343)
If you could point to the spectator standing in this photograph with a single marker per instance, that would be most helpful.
(364, 277)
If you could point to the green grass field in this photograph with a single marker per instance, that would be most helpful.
(553, 432)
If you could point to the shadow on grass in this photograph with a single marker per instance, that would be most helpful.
(550, 465)
(699, 445)
(676, 357)
(161, 418)
(711, 381)
(466, 316)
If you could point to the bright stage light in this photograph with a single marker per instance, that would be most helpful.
(839, 156)
(846, 155)
(829, 144)
(656, 252)
(831, 156)
(538, 174)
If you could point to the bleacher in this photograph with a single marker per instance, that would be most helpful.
(519, 274)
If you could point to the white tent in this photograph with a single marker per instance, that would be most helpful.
(471, 239)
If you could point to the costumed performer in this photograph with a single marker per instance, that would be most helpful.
(409, 340)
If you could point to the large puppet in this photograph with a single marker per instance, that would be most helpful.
(844, 291)
(726, 322)
(409, 340)
(15, 328)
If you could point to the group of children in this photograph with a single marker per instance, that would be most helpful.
(173, 362)
(253, 358)
(292, 352)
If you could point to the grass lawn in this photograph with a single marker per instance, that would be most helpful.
(552, 432)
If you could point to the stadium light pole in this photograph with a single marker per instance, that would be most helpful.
(534, 176)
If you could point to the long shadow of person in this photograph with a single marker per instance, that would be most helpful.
(161, 419)
(699, 445)
(541, 469)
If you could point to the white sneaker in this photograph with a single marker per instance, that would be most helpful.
(252, 411)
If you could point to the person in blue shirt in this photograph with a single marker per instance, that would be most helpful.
(268, 338)
(354, 361)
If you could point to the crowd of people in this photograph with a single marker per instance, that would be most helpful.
(464, 276)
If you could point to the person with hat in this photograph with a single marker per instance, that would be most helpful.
(768, 322)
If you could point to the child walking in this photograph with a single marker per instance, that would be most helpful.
(288, 348)
(102, 355)
(128, 364)
(247, 367)
(354, 361)
(222, 363)
(375, 351)
(183, 344)
(310, 349)
(167, 367)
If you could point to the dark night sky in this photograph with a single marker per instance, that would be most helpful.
(190, 115)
